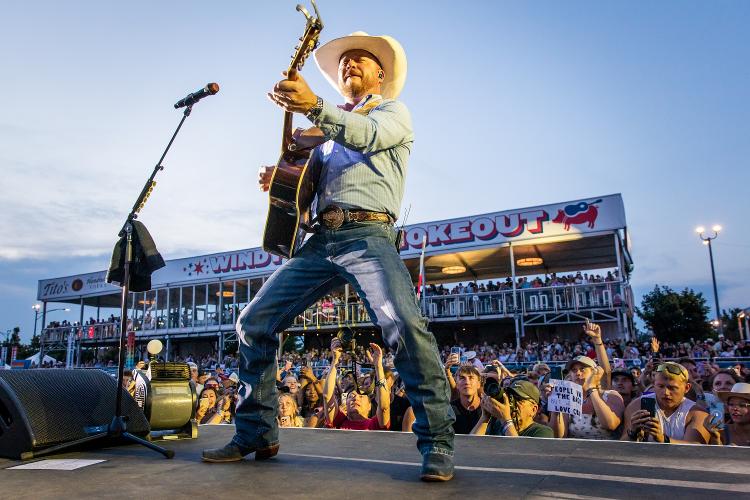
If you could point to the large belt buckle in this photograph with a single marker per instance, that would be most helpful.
(333, 217)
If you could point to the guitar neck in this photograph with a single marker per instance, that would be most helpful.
(307, 43)
(286, 133)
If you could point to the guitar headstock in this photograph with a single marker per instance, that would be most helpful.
(309, 40)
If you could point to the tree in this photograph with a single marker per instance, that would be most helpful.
(15, 338)
(675, 316)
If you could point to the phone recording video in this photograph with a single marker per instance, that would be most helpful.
(650, 405)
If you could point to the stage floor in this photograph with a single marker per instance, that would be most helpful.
(330, 464)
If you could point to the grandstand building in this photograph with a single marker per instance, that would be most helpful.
(195, 301)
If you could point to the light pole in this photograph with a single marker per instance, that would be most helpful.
(707, 241)
(36, 308)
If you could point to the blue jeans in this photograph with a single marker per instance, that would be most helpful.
(363, 254)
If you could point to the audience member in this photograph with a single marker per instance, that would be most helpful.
(467, 405)
(677, 419)
(512, 416)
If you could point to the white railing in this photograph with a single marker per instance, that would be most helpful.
(498, 304)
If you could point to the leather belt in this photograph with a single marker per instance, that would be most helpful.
(333, 217)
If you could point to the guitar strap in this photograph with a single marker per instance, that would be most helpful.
(368, 106)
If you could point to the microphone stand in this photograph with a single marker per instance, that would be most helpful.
(118, 429)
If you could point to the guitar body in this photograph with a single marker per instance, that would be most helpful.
(291, 194)
(293, 185)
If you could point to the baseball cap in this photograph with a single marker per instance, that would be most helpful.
(624, 373)
(523, 389)
(584, 360)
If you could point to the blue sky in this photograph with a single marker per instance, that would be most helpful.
(514, 104)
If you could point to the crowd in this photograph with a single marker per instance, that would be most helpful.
(679, 401)
(619, 352)
(662, 392)
(332, 301)
(552, 280)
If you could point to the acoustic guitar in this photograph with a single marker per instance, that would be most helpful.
(293, 184)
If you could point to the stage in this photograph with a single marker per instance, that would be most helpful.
(330, 464)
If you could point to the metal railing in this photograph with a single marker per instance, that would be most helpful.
(497, 304)
(570, 298)
(528, 301)
(98, 331)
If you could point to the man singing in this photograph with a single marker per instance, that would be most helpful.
(362, 170)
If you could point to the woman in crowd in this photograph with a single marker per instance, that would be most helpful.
(721, 381)
(736, 431)
(602, 410)
(207, 412)
(311, 396)
(288, 411)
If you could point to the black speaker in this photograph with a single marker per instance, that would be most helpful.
(43, 408)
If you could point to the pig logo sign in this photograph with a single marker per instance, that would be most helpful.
(578, 213)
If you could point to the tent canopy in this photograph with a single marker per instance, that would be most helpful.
(47, 359)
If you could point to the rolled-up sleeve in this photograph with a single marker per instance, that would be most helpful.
(385, 127)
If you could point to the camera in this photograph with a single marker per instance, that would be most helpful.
(346, 336)
(493, 389)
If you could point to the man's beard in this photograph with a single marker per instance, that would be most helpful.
(358, 87)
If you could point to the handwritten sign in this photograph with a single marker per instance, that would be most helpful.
(566, 397)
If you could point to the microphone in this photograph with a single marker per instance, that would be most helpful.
(190, 99)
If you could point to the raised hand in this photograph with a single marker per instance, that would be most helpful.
(452, 360)
(377, 354)
(306, 372)
(655, 345)
(593, 330)
(336, 350)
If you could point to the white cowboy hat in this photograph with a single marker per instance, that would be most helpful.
(739, 390)
(389, 52)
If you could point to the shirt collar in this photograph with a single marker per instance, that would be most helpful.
(364, 101)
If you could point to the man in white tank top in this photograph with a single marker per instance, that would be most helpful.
(677, 419)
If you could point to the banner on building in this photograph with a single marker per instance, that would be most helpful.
(579, 217)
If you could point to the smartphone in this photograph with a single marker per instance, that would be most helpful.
(716, 410)
(544, 380)
(650, 405)
(455, 350)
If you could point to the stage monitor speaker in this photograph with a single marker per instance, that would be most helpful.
(41, 408)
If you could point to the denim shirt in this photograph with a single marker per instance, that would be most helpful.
(363, 164)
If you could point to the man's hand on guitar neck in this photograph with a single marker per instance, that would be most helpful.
(293, 94)
(264, 177)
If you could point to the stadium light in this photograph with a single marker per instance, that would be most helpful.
(530, 261)
(454, 269)
(707, 241)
